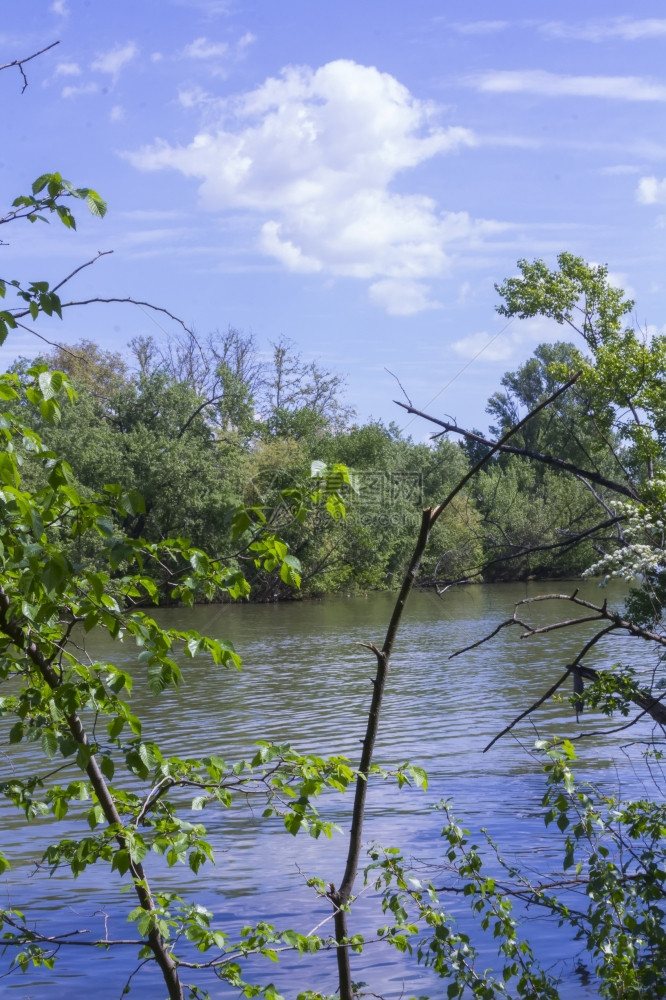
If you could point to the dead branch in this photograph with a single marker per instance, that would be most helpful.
(93, 260)
(643, 698)
(552, 460)
(526, 550)
(19, 63)
(130, 301)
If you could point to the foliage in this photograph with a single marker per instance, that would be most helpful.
(74, 561)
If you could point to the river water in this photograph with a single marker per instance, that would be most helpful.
(305, 680)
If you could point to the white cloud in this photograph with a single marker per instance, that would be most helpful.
(618, 279)
(113, 61)
(625, 28)
(201, 48)
(60, 8)
(622, 88)
(651, 191)
(509, 343)
(85, 88)
(480, 27)
(156, 57)
(620, 170)
(247, 39)
(68, 69)
(401, 297)
(117, 113)
(313, 153)
(193, 97)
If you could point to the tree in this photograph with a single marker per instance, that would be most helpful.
(50, 598)
(611, 895)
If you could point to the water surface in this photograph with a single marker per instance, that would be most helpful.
(306, 681)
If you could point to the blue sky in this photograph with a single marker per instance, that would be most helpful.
(353, 175)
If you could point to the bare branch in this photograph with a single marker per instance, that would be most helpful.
(51, 343)
(551, 460)
(399, 383)
(528, 711)
(20, 62)
(131, 301)
(93, 260)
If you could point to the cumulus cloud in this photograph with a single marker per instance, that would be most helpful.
(201, 48)
(68, 69)
(313, 154)
(60, 8)
(625, 28)
(402, 297)
(508, 343)
(84, 88)
(651, 191)
(621, 88)
(115, 59)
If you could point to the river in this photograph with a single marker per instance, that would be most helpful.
(305, 680)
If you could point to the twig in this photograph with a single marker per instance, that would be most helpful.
(20, 62)
(129, 299)
(528, 711)
(399, 383)
(557, 463)
(51, 343)
(100, 253)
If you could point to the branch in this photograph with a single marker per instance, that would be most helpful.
(131, 301)
(430, 515)
(643, 698)
(557, 463)
(51, 343)
(526, 550)
(14, 632)
(20, 62)
(93, 260)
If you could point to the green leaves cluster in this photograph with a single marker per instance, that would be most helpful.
(48, 194)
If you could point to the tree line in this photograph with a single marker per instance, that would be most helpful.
(199, 426)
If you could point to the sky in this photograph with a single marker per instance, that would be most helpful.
(355, 176)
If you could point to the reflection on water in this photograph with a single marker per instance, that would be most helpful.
(306, 680)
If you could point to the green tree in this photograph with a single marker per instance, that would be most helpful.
(613, 850)
(116, 779)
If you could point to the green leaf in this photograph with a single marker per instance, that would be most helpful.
(49, 743)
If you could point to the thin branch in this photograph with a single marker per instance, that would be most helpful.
(399, 383)
(430, 515)
(526, 550)
(528, 711)
(557, 463)
(93, 260)
(20, 62)
(51, 343)
(131, 301)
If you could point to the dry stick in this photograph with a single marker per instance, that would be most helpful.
(20, 62)
(44, 665)
(341, 897)
(557, 463)
(644, 699)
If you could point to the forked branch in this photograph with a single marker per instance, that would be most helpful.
(341, 897)
(19, 63)
(641, 697)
